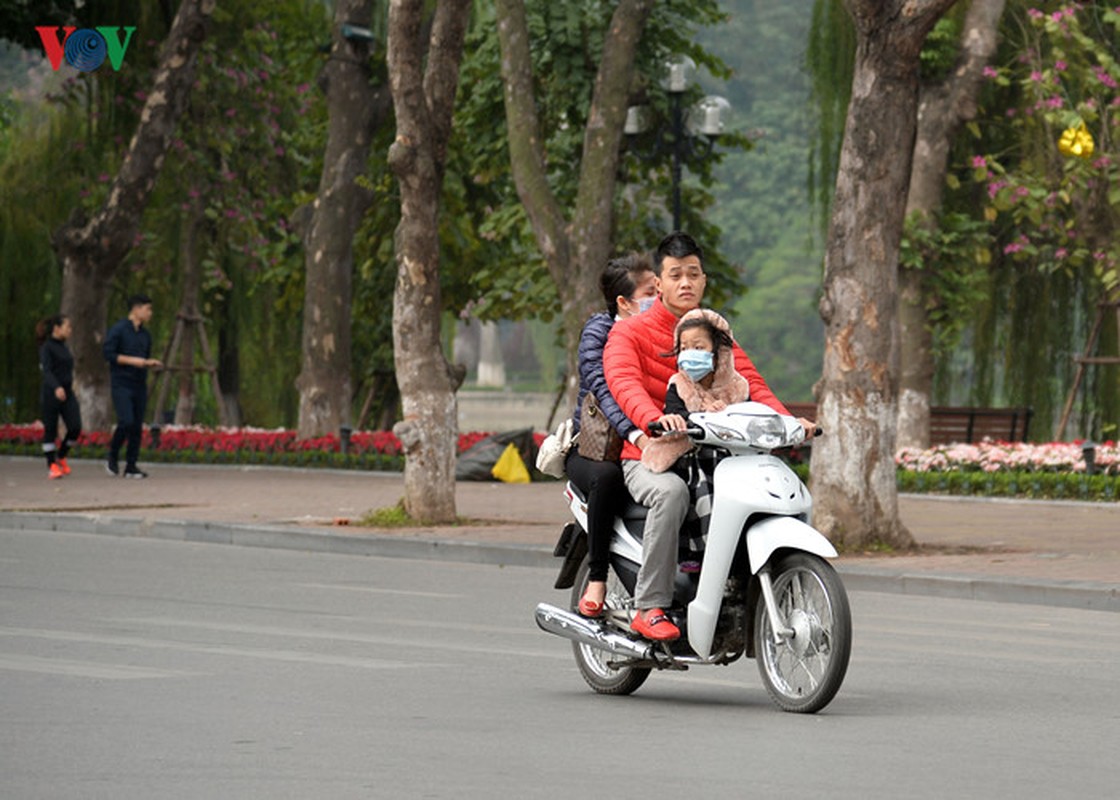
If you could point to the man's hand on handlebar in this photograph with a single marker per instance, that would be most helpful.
(811, 428)
(668, 423)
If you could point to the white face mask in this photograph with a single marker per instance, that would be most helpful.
(645, 304)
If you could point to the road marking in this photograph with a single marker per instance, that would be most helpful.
(377, 590)
(356, 638)
(83, 669)
(216, 650)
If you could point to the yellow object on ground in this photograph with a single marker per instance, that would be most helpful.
(509, 468)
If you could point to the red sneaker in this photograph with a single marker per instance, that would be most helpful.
(55, 472)
(653, 624)
(64, 466)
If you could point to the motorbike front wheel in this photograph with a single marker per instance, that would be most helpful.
(804, 671)
(594, 664)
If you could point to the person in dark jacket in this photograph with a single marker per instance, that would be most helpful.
(128, 349)
(56, 396)
(627, 284)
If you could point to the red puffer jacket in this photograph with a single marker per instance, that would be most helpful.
(638, 372)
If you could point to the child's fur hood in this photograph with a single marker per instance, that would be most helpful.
(727, 388)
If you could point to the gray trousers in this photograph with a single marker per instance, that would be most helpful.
(666, 495)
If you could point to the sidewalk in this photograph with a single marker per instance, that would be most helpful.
(1061, 553)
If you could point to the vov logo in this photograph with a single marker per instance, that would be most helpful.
(85, 49)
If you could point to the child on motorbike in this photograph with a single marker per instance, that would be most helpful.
(706, 380)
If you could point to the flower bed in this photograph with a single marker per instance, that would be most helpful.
(1008, 469)
(999, 469)
(379, 450)
(991, 457)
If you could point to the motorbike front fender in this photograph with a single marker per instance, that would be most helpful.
(775, 533)
(763, 538)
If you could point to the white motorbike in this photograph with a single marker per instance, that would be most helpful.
(762, 588)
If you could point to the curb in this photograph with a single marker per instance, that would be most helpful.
(1084, 595)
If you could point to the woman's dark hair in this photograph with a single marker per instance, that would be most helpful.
(720, 338)
(45, 327)
(620, 278)
(677, 244)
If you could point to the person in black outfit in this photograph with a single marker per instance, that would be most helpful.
(628, 288)
(57, 393)
(128, 349)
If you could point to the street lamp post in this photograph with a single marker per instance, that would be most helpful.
(690, 135)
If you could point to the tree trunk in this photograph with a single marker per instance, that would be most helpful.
(91, 250)
(424, 100)
(575, 251)
(853, 465)
(188, 310)
(941, 112)
(324, 382)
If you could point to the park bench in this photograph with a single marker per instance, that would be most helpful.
(953, 424)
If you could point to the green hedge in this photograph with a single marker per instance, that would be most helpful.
(1038, 485)
(303, 458)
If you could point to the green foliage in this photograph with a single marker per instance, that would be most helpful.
(1034, 485)
(951, 252)
(505, 277)
(61, 139)
(389, 517)
(1053, 214)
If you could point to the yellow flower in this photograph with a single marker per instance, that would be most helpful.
(1076, 142)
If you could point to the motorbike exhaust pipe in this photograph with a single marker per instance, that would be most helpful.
(589, 632)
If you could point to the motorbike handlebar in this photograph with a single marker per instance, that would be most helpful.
(657, 429)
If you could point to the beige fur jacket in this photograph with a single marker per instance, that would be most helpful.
(728, 387)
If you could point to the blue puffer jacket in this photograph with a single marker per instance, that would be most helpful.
(591, 378)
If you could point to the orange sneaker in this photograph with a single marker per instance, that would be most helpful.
(653, 624)
(64, 466)
(55, 472)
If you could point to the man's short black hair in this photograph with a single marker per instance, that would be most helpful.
(138, 299)
(677, 244)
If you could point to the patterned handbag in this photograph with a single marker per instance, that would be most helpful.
(598, 440)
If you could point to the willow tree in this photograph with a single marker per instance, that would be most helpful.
(424, 99)
(91, 249)
(574, 246)
(853, 466)
(943, 108)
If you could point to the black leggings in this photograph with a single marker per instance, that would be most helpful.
(71, 414)
(602, 484)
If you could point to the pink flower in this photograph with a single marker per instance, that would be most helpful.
(1060, 66)
(1105, 78)
(991, 72)
(1061, 252)
(1036, 76)
(1034, 13)
(1014, 247)
(979, 162)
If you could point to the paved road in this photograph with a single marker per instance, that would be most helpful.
(139, 668)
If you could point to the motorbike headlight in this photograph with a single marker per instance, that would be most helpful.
(725, 434)
(768, 432)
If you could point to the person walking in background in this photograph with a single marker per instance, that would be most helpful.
(56, 363)
(128, 349)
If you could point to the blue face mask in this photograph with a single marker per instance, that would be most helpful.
(645, 304)
(696, 364)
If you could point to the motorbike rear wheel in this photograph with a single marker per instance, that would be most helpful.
(803, 673)
(594, 663)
